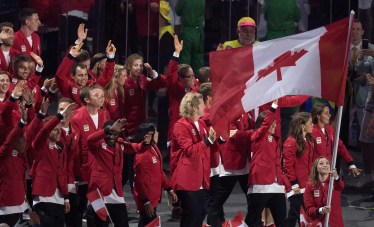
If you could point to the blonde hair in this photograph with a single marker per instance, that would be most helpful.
(118, 69)
(189, 101)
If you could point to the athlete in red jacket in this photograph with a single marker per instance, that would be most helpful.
(150, 178)
(49, 174)
(298, 154)
(324, 136)
(190, 156)
(315, 196)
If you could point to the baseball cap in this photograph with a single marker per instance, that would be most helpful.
(165, 10)
(246, 21)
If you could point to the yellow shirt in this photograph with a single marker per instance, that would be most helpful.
(234, 44)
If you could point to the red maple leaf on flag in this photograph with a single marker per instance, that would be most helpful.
(285, 60)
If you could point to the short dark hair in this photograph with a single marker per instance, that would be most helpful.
(205, 90)
(25, 14)
(64, 99)
(143, 130)
(75, 66)
(21, 58)
(204, 74)
(82, 56)
(6, 24)
(182, 70)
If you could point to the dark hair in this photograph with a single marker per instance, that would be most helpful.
(204, 74)
(317, 110)
(296, 132)
(205, 90)
(143, 130)
(108, 123)
(75, 66)
(5, 24)
(182, 70)
(25, 14)
(82, 56)
(21, 58)
(260, 119)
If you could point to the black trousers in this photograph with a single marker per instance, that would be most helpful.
(82, 200)
(73, 218)
(296, 201)
(194, 207)
(10, 219)
(276, 202)
(225, 186)
(50, 214)
(214, 209)
(118, 213)
(145, 220)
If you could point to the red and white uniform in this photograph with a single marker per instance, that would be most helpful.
(22, 44)
(49, 170)
(12, 171)
(149, 178)
(297, 168)
(4, 64)
(135, 96)
(67, 86)
(266, 161)
(107, 163)
(115, 107)
(324, 146)
(315, 197)
(190, 156)
(83, 124)
(176, 91)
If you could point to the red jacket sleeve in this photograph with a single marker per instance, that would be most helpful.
(310, 207)
(289, 152)
(264, 128)
(106, 76)
(11, 140)
(43, 134)
(63, 75)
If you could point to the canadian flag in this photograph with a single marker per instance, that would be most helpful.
(155, 223)
(237, 221)
(98, 204)
(305, 221)
(312, 63)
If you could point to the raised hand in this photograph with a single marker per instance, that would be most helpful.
(178, 46)
(37, 58)
(48, 82)
(149, 69)
(45, 105)
(220, 47)
(118, 126)
(212, 134)
(18, 89)
(110, 49)
(82, 33)
(69, 109)
(75, 50)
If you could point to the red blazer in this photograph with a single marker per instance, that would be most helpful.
(324, 146)
(50, 163)
(71, 142)
(315, 196)
(31, 131)
(115, 107)
(149, 178)
(266, 162)
(142, 11)
(12, 170)
(176, 91)
(189, 156)
(214, 154)
(22, 44)
(107, 163)
(287, 101)
(3, 65)
(67, 86)
(135, 96)
(6, 117)
(235, 153)
(83, 125)
(296, 168)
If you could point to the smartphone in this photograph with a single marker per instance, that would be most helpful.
(365, 44)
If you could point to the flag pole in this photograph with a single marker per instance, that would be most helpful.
(110, 219)
(339, 119)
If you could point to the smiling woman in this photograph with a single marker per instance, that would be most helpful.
(4, 85)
